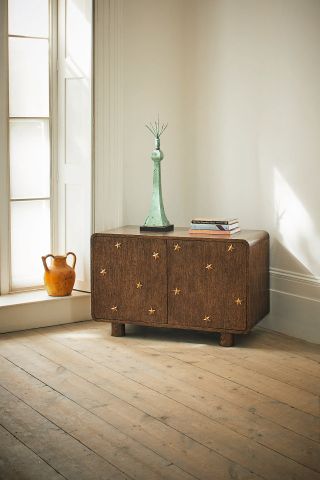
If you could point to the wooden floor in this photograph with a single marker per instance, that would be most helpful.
(76, 403)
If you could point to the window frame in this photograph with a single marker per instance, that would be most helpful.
(61, 230)
(5, 220)
(5, 253)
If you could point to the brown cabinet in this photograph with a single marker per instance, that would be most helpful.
(179, 280)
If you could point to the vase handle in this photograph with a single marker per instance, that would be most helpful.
(74, 258)
(44, 261)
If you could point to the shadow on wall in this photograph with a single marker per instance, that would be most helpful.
(296, 238)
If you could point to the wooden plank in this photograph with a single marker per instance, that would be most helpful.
(245, 422)
(295, 397)
(133, 459)
(269, 343)
(18, 462)
(59, 450)
(310, 351)
(305, 401)
(190, 451)
(279, 412)
(271, 363)
(227, 441)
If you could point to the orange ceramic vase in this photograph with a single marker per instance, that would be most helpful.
(60, 277)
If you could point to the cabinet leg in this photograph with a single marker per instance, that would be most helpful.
(226, 339)
(118, 330)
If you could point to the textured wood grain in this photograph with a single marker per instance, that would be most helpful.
(51, 444)
(183, 348)
(127, 458)
(210, 278)
(115, 295)
(18, 462)
(118, 329)
(134, 404)
(226, 339)
(249, 236)
(204, 282)
(258, 282)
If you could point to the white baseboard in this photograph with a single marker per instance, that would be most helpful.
(36, 309)
(295, 305)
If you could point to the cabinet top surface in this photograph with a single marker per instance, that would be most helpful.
(249, 236)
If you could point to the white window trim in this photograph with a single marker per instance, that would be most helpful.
(4, 153)
(53, 115)
(5, 254)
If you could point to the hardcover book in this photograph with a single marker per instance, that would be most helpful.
(213, 226)
(215, 221)
(214, 232)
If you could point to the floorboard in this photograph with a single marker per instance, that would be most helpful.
(157, 404)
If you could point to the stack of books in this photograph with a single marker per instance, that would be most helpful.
(214, 226)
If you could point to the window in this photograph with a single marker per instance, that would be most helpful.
(46, 154)
(29, 140)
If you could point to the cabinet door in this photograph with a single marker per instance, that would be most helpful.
(129, 279)
(207, 284)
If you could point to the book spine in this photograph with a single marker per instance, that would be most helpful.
(214, 232)
(209, 226)
(214, 222)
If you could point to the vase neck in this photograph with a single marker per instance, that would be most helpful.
(157, 143)
(59, 260)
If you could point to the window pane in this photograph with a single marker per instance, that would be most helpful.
(78, 117)
(29, 158)
(30, 239)
(29, 18)
(28, 77)
(78, 36)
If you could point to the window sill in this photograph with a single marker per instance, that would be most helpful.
(23, 298)
(25, 310)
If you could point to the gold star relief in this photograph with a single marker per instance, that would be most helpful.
(230, 248)
(103, 272)
(176, 291)
(177, 247)
(155, 255)
(209, 266)
(206, 318)
(238, 301)
(151, 311)
(114, 308)
(139, 285)
(118, 245)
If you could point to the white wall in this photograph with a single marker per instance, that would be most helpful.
(156, 62)
(257, 116)
(238, 82)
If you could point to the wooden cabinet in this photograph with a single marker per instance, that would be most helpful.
(179, 280)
